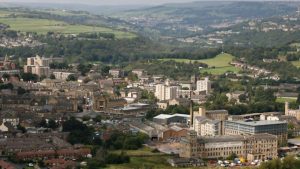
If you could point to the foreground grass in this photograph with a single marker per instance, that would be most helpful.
(43, 26)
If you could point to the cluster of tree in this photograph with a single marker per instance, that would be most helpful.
(263, 39)
(119, 140)
(6, 86)
(255, 55)
(48, 124)
(102, 158)
(171, 69)
(106, 51)
(293, 56)
(84, 68)
(288, 162)
(255, 99)
(148, 96)
(79, 132)
(57, 65)
(72, 77)
(97, 35)
(29, 77)
(8, 33)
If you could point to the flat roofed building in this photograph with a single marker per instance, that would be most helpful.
(278, 128)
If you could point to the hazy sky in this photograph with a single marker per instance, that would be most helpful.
(103, 2)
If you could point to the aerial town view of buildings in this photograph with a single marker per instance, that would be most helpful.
(193, 85)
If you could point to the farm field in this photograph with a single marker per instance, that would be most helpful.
(42, 26)
(217, 65)
(4, 13)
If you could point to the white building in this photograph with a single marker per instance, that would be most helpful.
(62, 75)
(13, 121)
(160, 91)
(204, 85)
(38, 65)
(116, 73)
(206, 127)
(138, 72)
(171, 92)
(164, 92)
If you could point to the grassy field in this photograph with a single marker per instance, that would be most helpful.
(283, 100)
(42, 26)
(221, 60)
(221, 70)
(217, 65)
(296, 63)
(4, 13)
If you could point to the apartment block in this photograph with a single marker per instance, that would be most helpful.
(203, 85)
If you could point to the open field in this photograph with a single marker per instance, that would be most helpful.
(217, 65)
(221, 60)
(296, 63)
(283, 100)
(221, 70)
(4, 13)
(42, 26)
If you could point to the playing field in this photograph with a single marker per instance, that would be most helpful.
(217, 65)
(43, 26)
